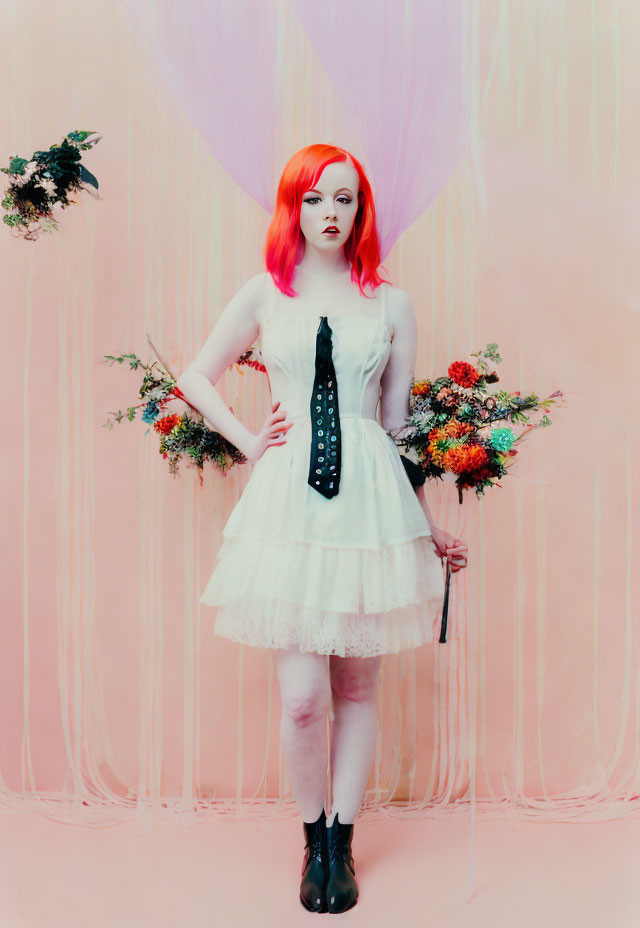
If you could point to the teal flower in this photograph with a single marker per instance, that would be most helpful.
(151, 413)
(465, 411)
(502, 439)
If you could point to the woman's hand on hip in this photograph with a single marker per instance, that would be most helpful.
(273, 432)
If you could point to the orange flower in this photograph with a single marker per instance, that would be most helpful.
(436, 455)
(455, 459)
(465, 458)
(421, 387)
(456, 429)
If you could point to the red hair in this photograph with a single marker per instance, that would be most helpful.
(285, 242)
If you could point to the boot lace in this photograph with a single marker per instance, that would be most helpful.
(315, 848)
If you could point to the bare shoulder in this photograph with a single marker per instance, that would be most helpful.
(398, 299)
(250, 297)
(260, 288)
(243, 309)
(259, 281)
(400, 312)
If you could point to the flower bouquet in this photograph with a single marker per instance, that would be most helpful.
(39, 184)
(453, 424)
(453, 427)
(181, 435)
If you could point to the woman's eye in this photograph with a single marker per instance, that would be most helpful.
(344, 200)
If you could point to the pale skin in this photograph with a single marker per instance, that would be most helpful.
(308, 680)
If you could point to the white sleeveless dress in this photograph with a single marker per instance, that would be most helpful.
(354, 575)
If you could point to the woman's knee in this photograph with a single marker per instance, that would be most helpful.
(305, 688)
(304, 707)
(355, 678)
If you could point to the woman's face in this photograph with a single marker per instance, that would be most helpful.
(332, 202)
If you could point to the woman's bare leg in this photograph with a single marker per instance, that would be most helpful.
(354, 683)
(305, 692)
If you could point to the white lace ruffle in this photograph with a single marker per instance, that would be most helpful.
(339, 600)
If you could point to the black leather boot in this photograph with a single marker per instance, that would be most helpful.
(315, 866)
(342, 889)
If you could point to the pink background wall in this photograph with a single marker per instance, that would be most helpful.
(112, 683)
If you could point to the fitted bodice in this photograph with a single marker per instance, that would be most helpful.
(361, 348)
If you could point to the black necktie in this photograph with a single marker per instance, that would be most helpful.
(324, 466)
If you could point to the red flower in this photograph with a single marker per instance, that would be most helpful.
(165, 425)
(463, 373)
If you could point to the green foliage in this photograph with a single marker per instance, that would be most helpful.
(45, 181)
(183, 437)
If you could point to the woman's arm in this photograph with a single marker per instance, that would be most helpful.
(394, 411)
(233, 334)
(398, 376)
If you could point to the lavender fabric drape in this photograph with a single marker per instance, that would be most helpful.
(397, 67)
(219, 59)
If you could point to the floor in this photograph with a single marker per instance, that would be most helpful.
(232, 872)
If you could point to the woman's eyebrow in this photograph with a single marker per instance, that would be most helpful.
(313, 190)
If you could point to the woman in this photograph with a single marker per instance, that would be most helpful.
(330, 550)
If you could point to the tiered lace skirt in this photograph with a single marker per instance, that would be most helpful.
(355, 575)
